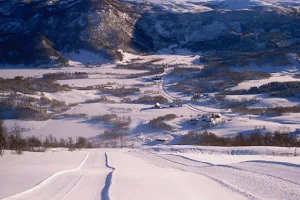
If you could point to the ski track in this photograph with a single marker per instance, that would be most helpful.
(240, 179)
(242, 168)
(92, 175)
(108, 181)
(46, 181)
(219, 181)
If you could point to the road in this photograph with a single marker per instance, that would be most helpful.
(171, 97)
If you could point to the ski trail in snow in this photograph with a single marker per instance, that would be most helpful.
(241, 179)
(226, 166)
(108, 181)
(47, 180)
(218, 180)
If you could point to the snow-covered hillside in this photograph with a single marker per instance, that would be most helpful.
(158, 173)
(208, 5)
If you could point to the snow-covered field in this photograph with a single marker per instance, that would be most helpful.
(141, 114)
(158, 172)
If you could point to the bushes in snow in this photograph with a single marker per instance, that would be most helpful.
(30, 86)
(216, 78)
(53, 104)
(159, 122)
(151, 100)
(205, 138)
(111, 139)
(100, 100)
(65, 75)
(232, 103)
(118, 123)
(276, 111)
(16, 106)
(119, 92)
(278, 89)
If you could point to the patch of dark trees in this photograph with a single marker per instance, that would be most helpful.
(14, 141)
(277, 89)
(256, 139)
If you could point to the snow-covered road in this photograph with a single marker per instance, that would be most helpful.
(137, 174)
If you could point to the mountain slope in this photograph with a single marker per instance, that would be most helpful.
(42, 31)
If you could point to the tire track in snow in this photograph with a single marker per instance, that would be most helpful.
(223, 183)
(47, 180)
(108, 180)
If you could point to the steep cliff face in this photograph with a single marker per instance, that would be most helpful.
(42, 31)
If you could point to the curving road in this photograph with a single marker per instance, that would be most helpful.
(170, 97)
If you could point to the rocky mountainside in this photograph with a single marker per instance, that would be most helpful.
(42, 31)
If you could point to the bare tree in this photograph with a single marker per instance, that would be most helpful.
(81, 142)
(16, 141)
(33, 142)
(62, 142)
(3, 137)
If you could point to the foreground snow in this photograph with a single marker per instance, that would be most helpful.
(151, 173)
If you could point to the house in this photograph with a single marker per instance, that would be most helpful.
(157, 105)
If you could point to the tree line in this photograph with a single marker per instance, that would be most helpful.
(256, 139)
(14, 141)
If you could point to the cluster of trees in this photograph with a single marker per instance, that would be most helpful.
(17, 106)
(30, 85)
(180, 71)
(256, 139)
(65, 75)
(275, 111)
(102, 99)
(119, 124)
(54, 104)
(119, 92)
(151, 99)
(216, 78)
(278, 89)
(151, 68)
(159, 122)
(232, 103)
(14, 141)
(111, 139)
